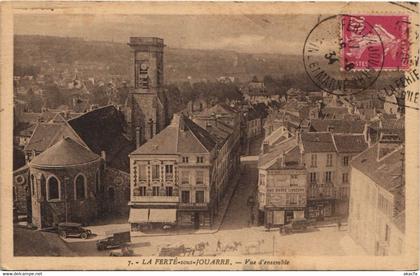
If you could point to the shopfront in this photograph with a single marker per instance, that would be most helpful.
(318, 209)
(281, 216)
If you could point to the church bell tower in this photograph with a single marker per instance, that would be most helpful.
(146, 110)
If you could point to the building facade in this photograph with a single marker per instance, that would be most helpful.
(319, 157)
(282, 185)
(377, 199)
(173, 178)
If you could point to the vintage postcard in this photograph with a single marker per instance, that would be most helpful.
(209, 135)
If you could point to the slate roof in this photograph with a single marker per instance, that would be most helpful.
(265, 159)
(349, 143)
(385, 172)
(340, 126)
(102, 129)
(317, 142)
(181, 136)
(65, 152)
(218, 109)
(291, 160)
(43, 136)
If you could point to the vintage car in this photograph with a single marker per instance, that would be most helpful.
(72, 229)
(296, 225)
(114, 240)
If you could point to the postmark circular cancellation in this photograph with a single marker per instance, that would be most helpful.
(345, 54)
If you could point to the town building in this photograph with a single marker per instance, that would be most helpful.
(347, 146)
(146, 106)
(282, 184)
(173, 177)
(319, 156)
(255, 92)
(377, 197)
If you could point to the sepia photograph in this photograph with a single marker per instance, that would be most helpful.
(196, 136)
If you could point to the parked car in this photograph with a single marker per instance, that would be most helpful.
(296, 225)
(72, 229)
(114, 240)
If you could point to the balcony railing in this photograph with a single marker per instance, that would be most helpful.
(193, 205)
(155, 199)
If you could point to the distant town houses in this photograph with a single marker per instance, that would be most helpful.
(377, 197)
(255, 92)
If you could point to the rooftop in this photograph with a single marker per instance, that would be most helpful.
(65, 152)
(317, 142)
(181, 136)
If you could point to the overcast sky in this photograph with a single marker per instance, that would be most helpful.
(254, 34)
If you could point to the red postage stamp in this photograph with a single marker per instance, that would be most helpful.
(375, 42)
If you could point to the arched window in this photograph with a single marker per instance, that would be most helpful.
(53, 190)
(80, 187)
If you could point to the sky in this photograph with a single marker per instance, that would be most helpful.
(279, 34)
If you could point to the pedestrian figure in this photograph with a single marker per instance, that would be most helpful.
(252, 218)
(339, 225)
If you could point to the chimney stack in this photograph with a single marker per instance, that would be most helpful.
(137, 137)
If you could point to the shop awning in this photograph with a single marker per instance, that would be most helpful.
(138, 215)
(163, 215)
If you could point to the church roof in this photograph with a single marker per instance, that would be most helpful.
(65, 152)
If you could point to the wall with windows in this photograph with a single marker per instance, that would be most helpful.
(185, 176)
(69, 192)
(321, 173)
(371, 217)
(342, 183)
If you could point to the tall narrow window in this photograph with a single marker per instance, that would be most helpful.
(155, 191)
(313, 160)
(80, 187)
(142, 191)
(199, 177)
(312, 177)
(169, 191)
(200, 159)
(329, 160)
(184, 159)
(155, 172)
(345, 177)
(142, 172)
(185, 196)
(53, 188)
(169, 172)
(328, 176)
(199, 196)
(345, 161)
